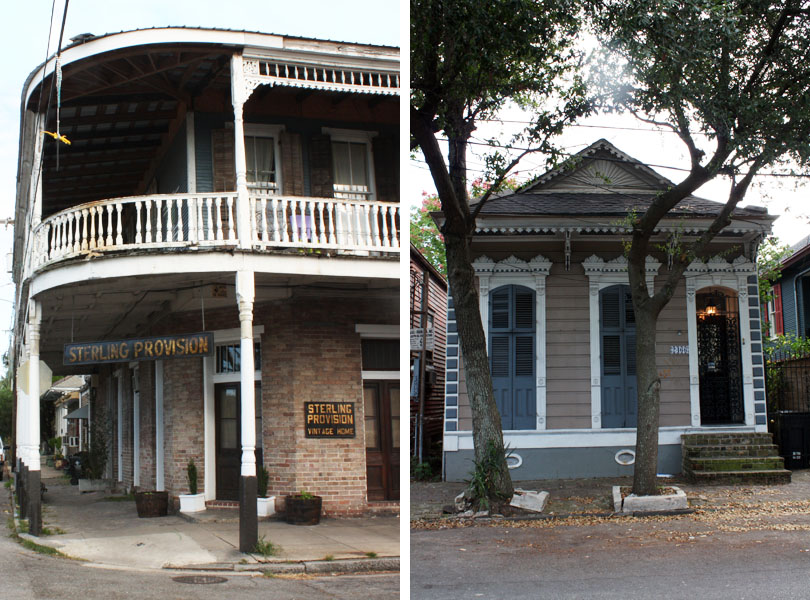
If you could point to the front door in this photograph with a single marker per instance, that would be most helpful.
(718, 330)
(229, 438)
(381, 407)
(618, 335)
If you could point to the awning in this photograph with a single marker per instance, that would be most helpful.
(80, 413)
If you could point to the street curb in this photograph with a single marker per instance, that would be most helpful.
(361, 565)
(487, 520)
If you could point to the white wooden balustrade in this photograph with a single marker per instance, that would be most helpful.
(209, 221)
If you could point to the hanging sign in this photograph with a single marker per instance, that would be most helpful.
(418, 336)
(152, 348)
(329, 419)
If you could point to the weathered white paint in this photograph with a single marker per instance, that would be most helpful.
(160, 482)
(32, 441)
(208, 262)
(245, 294)
(377, 331)
(691, 330)
(379, 375)
(191, 155)
(239, 96)
(209, 430)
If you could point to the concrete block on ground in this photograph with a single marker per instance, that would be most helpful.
(529, 500)
(632, 503)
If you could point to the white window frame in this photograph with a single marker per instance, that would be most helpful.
(263, 130)
(531, 274)
(603, 274)
(358, 137)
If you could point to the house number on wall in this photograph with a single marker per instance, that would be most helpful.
(679, 349)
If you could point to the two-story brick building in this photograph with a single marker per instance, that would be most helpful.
(220, 243)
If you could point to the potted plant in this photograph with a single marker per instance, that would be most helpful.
(152, 503)
(265, 505)
(90, 469)
(302, 509)
(192, 502)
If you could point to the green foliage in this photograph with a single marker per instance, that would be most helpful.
(56, 444)
(191, 471)
(425, 235)
(371, 555)
(770, 255)
(482, 487)
(262, 479)
(6, 403)
(266, 547)
(304, 495)
(97, 456)
(420, 471)
(786, 345)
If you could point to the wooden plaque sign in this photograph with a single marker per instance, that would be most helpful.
(153, 348)
(329, 420)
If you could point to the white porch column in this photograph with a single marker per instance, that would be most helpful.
(32, 427)
(248, 519)
(238, 97)
(694, 370)
(160, 483)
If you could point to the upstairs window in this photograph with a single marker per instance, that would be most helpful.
(352, 164)
(262, 158)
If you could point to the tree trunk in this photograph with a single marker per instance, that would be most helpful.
(486, 418)
(649, 387)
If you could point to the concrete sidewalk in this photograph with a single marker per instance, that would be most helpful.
(98, 528)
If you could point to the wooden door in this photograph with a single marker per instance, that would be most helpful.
(228, 436)
(618, 335)
(381, 404)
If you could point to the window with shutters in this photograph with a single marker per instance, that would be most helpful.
(512, 355)
(262, 156)
(618, 357)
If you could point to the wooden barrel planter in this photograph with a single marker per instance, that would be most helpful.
(152, 504)
(300, 510)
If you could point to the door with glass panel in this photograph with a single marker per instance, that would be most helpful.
(381, 408)
(229, 439)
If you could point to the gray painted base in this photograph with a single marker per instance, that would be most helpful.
(564, 463)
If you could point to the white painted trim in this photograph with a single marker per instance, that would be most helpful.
(136, 428)
(380, 332)
(191, 155)
(745, 349)
(160, 483)
(380, 375)
(531, 274)
(109, 267)
(209, 431)
(602, 274)
(694, 369)
(581, 438)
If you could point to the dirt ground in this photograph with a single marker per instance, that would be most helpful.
(593, 496)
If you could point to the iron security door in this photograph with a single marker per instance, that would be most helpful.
(618, 347)
(511, 354)
(229, 438)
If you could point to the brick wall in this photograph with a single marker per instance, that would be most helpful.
(183, 422)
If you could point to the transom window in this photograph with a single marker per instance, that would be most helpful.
(228, 357)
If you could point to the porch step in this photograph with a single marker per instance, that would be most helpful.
(221, 504)
(731, 458)
(388, 507)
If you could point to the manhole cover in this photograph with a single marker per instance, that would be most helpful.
(199, 579)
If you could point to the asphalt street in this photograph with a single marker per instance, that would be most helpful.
(27, 575)
(624, 558)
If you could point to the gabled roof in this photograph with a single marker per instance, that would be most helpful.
(800, 250)
(601, 180)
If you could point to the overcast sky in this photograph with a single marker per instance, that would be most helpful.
(25, 38)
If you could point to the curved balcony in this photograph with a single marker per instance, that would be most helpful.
(210, 221)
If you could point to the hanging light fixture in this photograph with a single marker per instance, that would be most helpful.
(711, 308)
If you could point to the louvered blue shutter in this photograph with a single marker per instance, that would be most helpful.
(618, 357)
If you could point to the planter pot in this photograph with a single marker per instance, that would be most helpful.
(93, 485)
(152, 504)
(59, 463)
(302, 511)
(192, 503)
(266, 507)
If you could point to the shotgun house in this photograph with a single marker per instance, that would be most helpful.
(556, 310)
(789, 311)
(218, 246)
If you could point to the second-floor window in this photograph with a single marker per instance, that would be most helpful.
(352, 164)
(262, 158)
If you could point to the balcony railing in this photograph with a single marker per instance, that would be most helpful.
(210, 221)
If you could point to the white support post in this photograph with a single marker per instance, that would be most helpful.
(238, 97)
(745, 347)
(596, 363)
(160, 483)
(209, 425)
(540, 329)
(691, 334)
(245, 295)
(32, 439)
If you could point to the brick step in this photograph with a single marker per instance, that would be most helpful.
(730, 450)
(221, 504)
(748, 463)
(386, 507)
(724, 439)
(770, 477)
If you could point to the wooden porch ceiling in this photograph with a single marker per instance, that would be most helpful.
(119, 111)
